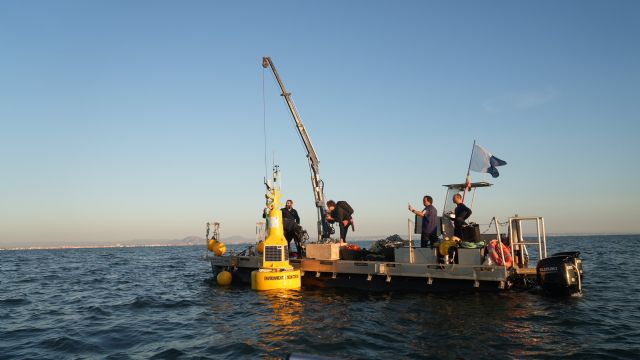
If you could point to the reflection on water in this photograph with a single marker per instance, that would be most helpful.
(279, 321)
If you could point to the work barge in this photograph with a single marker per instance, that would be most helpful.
(411, 268)
(498, 258)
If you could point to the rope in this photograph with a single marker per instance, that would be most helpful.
(264, 125)
(491, 223)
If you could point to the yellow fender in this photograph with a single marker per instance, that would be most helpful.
(218, 248)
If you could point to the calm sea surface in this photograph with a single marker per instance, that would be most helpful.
(160, 303)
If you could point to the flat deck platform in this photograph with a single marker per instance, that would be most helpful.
(379, 274)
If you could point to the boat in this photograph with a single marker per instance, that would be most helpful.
(428, 270)
(499, 258)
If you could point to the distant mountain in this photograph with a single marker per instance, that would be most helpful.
(191, 240)
(236, 239)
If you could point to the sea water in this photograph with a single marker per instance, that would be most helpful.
(161, 303)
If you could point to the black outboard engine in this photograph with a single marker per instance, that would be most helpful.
(561, 273)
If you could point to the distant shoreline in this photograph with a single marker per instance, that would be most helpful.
(117, 246)
(67, 247)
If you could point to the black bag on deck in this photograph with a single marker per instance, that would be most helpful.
(471, 233)
(345, 206)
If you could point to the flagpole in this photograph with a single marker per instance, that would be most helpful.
(468, 180)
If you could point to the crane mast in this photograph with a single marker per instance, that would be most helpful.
(324, 229)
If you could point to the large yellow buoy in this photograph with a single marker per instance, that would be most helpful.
(224, 278)
(275, 272)
(217, 247)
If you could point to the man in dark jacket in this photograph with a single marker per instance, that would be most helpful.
(460, 216)
(288, 212)
(341, 212)
(429, 233)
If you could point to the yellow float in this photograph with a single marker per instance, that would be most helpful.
(218, 248)
(224, 278)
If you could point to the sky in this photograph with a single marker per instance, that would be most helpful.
(127, 120)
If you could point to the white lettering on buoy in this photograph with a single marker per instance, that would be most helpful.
(273, 222)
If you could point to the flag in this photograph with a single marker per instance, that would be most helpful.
(482, 161)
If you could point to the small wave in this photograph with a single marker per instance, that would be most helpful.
(237, 350)
(142, 302)
(15, 301)
(24, 332)
(97, 310)
(68, 345)
(168, 354)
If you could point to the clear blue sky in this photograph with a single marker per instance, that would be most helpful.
(143, 119)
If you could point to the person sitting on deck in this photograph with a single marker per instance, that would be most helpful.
(429, 233)
(341, 212)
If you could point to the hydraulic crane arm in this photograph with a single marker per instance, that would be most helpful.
(324, 229)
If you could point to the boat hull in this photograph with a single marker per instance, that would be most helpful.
(379, 276)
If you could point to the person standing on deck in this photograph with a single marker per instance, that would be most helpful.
(288, 212)
(429, 215)
(341, 212)
(460, 216)
(291, 222)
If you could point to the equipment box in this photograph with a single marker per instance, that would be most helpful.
(469, 256)
(323, 251)
(420, 255)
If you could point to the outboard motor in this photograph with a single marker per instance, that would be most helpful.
(561, 273)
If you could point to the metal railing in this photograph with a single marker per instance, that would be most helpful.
(517, 240)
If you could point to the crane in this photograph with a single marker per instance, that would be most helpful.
(324, 229)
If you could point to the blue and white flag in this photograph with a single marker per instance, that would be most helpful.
(482, 161)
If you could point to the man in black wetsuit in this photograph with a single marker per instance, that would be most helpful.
(460, 215)
(288, 212)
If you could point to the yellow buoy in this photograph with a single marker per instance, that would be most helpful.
(275, 272)
(217, 247)
(224, 278)
(271, 279)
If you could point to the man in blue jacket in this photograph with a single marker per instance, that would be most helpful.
(429, 233)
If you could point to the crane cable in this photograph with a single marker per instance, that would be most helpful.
(264, 125)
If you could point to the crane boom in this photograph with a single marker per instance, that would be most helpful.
(324, 229)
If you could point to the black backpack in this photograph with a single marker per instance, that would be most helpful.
(345, 206)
